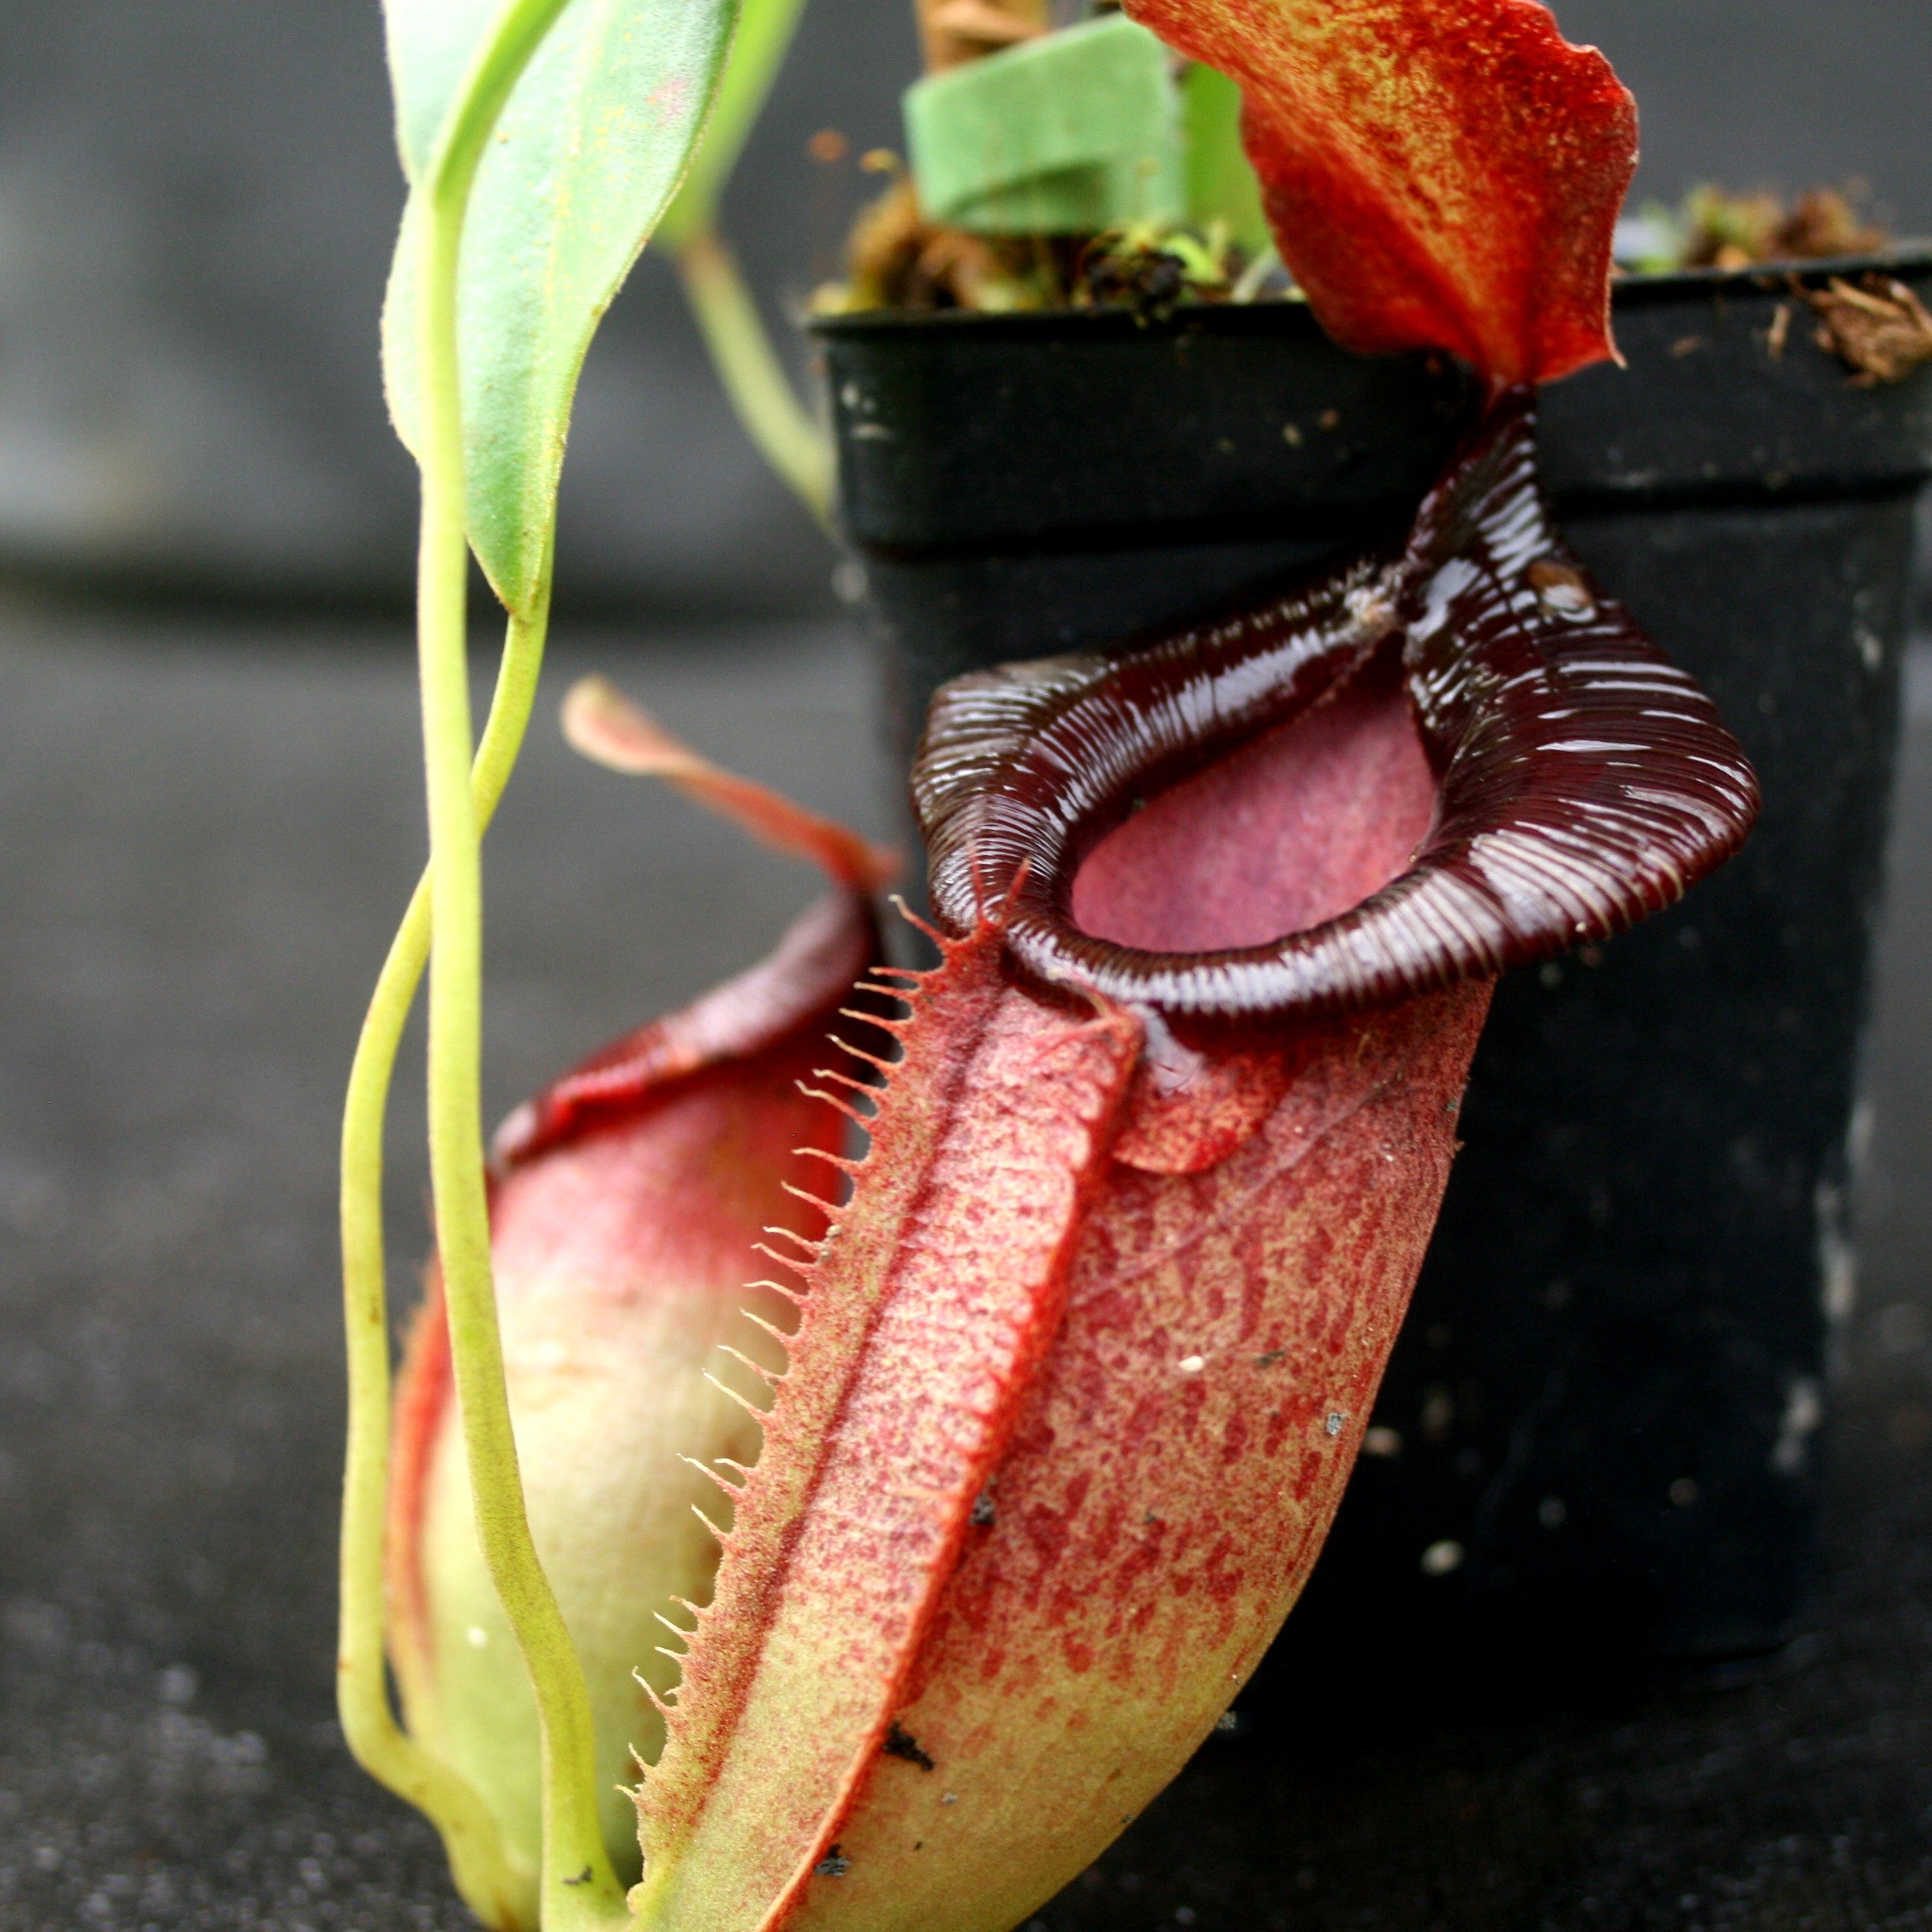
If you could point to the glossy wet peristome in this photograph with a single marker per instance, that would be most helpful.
(1420, 770)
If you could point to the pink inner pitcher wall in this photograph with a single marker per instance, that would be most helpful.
(1292, 830)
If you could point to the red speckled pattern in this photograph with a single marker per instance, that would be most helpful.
(1172, 1476)
(1060, 1440)
(926, 1320)
(1087, 1356)
(1438, 176)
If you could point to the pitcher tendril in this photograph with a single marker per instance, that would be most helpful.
(578, 1886)
(470, 1833)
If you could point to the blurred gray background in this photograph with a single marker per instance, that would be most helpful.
(197, 199)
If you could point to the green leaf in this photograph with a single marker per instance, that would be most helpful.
(1064, 134)
(765, 30)
(584, 159)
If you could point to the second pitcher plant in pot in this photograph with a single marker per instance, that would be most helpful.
(1083, 1356)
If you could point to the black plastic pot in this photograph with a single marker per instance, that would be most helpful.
(1599, 1433)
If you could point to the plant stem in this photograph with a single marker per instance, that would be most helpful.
(577, 1890)
(470, 1833)
(768, 407)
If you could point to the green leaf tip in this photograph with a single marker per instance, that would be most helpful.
(583, 162)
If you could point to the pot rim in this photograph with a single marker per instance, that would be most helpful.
(1912, 257)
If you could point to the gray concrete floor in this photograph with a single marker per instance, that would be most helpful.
(205, 830)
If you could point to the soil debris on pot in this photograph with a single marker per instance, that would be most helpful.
(1878, 325)
(1716, 229)
(897, 259)
(1731, 231)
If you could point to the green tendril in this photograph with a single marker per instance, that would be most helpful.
(470, 1833)
(578, 1891)
(785, 435)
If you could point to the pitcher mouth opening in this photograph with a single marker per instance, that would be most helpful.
(1299, 826)
(1414, 772)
